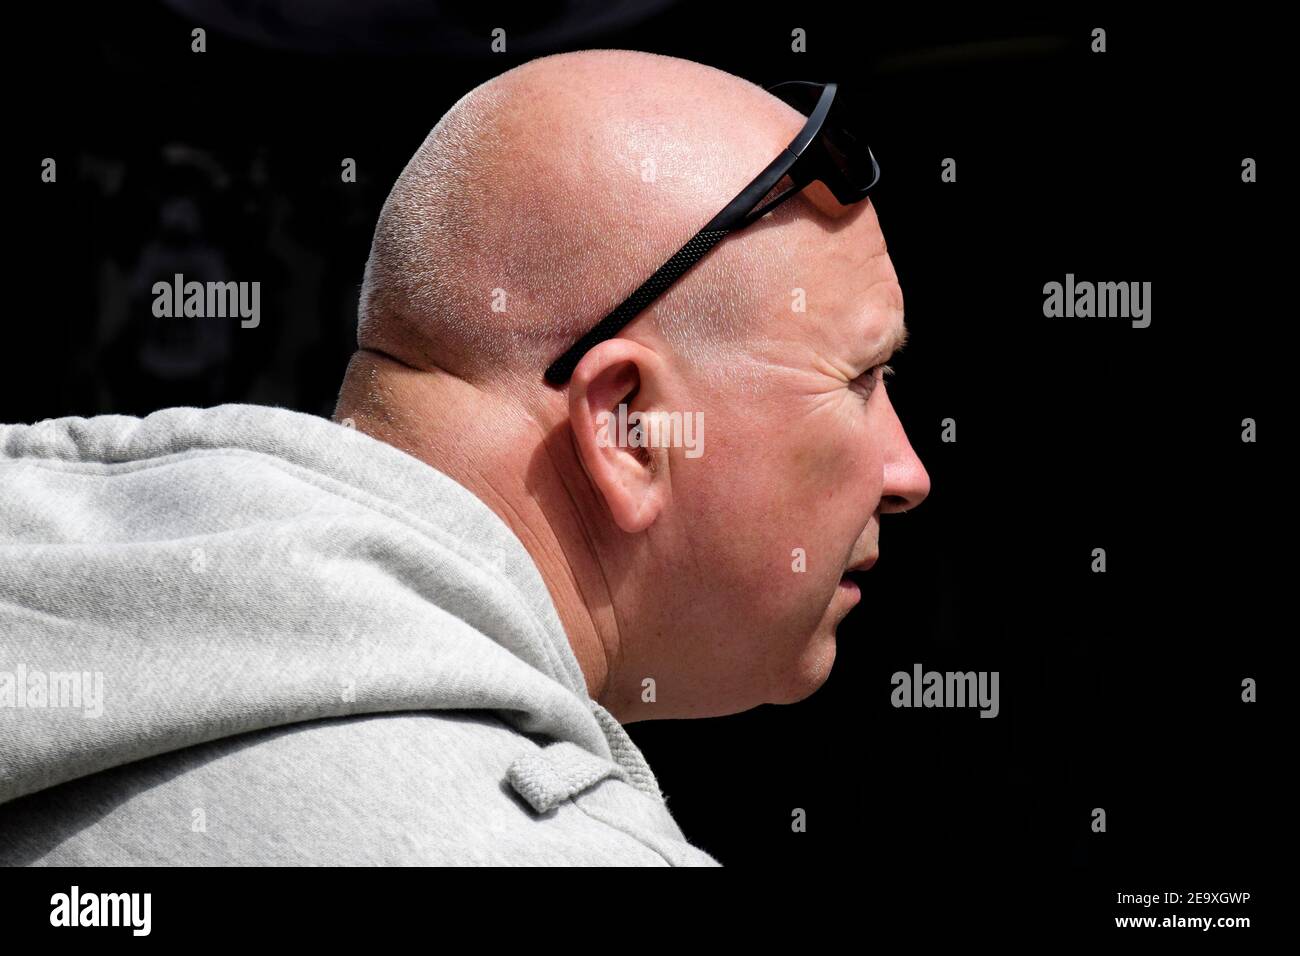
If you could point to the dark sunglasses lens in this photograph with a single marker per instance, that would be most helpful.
(848, 159)
(849, 155)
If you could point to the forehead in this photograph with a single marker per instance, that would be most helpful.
(859, 311)
(831, 298)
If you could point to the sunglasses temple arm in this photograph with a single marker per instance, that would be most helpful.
(738, 213)
(651, 289)
(768, 207)
(741, 211)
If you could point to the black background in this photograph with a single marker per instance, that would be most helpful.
(1118, 690)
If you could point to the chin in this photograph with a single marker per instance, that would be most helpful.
(810, 670)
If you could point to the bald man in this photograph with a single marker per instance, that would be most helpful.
(413, 635)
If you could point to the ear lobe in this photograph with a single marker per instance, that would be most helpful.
(606, 389)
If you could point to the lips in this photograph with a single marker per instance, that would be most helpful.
(849, 583)
(849, 589)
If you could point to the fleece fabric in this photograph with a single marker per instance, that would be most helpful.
(245, 635)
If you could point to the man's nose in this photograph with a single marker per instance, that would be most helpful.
(906, 482)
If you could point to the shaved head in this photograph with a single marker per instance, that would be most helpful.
(540, 201)
(546, 195)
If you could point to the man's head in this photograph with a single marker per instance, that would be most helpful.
(537, 204)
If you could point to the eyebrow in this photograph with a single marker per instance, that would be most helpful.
(895, 343)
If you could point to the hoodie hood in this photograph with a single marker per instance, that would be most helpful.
(202, 573)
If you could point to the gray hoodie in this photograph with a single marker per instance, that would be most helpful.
(245, 635)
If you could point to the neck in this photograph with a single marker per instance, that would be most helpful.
(512, 463)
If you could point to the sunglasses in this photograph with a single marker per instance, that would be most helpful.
(824, 151)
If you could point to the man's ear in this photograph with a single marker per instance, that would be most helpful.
(631, 480)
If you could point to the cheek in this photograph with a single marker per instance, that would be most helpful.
(761, 493)
(834, 465)
(835, 477)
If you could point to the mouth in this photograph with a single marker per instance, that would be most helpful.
(850, 584)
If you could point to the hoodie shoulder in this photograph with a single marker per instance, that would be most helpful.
(424, 789)
(315, 646)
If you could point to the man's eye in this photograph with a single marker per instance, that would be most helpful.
(868, 379)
